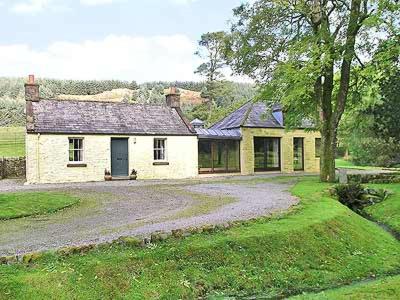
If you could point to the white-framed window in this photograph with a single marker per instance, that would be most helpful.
(160, 149)
(75, 149)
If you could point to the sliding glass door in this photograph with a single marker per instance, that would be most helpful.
(267, 154)
(219, 156)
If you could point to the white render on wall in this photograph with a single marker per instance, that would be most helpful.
(47, 158)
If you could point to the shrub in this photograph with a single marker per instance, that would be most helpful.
(356, 197)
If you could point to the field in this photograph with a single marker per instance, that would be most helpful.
(318, 245)
(12, 141)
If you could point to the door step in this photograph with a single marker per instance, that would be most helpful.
(120, 178)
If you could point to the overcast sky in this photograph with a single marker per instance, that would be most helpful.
(140, 40)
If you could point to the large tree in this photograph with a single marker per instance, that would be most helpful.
(211, 46)
(305, 53)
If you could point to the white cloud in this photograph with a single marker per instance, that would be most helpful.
(183, 2)
(120, 57)
(30, 7)
(96, 2)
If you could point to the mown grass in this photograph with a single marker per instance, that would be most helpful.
(318, 245)
(388, 211)
(12, 141)
(24, 204)
(386, 288)
(347, 164)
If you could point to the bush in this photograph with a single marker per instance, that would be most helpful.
(356, 197)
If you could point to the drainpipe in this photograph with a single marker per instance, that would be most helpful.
(38, 158)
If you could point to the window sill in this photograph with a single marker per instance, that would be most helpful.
(76, 165)
(160, 163)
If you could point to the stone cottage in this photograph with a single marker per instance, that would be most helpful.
(77, 141)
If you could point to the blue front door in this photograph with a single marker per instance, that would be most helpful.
(119, 157)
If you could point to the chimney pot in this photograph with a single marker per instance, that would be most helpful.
(31, 79)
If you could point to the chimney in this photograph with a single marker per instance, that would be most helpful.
(173, 97)
(31, 90)
(31, 95)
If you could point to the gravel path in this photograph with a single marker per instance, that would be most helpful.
(108, 211)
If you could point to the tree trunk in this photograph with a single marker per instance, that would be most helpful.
(328, 152)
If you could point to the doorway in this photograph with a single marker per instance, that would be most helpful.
(119, 157)
(267, 154)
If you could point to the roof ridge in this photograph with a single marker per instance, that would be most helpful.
(220, 121)
(102, 101)
(246, 115)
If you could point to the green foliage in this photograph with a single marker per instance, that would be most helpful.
(357, 197)
(18, 205)
(11, 112)
(14, 87)
(319, 245)
(211, 48)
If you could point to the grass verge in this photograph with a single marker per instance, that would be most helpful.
(346, 164)
(18, 205)
(386, 288)
(320, 244)
(12, 141)
(388, 211)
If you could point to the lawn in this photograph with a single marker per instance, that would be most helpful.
(17, 205)
(320, 244)
(346, 164)
(12, 141)
(387, 288)
(388, 211)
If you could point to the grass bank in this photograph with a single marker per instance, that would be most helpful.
(318, 245)
(12, 141)
(18, 205)
(388, 211)
(386, 288)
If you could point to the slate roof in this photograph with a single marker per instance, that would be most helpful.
(252, 115)
(90, 117)
(229, 134)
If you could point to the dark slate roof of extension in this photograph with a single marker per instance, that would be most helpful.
(250, 115)
(228, 134)
(90, 117)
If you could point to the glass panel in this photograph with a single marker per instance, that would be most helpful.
(298, 160)
(272, 147)
(205, 163)
(266, 154)
(259, 153)
(317, 147)
(233, 156)
(219, 156)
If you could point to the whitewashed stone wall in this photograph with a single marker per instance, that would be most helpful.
(47, 158)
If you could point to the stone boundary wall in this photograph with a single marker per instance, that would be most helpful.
(12, 167)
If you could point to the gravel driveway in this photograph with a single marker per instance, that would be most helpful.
(110, 210)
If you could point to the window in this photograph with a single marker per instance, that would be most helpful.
(298, 154)
(76, 149)
(317, 147)
(159, 149)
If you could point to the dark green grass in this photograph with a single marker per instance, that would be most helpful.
(12, 141)
(18, 205)
(318, 245)
(386, 288)
(388, 211)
